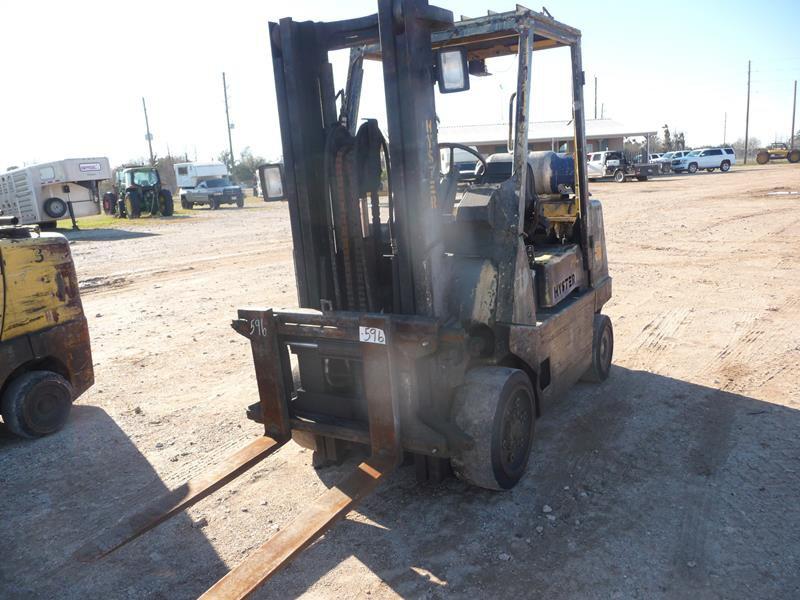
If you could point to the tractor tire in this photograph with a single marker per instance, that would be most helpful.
(692, 168)
(725, 166)
(496, 407)
(133, 205)
(619, 176)
(793, 156)
(37, 403)
(762, 157)
(602, 350)
(166, 204)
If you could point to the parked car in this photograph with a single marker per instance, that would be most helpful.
(213, 192)
(655, 156)
(707, 158)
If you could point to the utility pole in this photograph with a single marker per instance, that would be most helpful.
(602, 110)
(148, 136)
(228, 119)
(747, 115)
(794, 108)
(595, 96)
(725, 131)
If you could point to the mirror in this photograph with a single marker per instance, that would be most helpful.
(271, 176)
(452, 71)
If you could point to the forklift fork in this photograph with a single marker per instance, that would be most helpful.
(260, 327)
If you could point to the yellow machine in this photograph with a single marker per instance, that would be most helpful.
(45, 355)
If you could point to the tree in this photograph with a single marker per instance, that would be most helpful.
(680, 142)
(667, 140)
(245, 168)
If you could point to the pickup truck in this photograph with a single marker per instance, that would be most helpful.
(213, 192)
(613, 163)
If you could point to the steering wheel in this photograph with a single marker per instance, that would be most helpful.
(449, 183)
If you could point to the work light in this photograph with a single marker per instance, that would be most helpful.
(452, 72)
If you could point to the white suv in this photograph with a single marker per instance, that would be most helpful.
(708, 159)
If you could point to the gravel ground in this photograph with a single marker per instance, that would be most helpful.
(678, 477)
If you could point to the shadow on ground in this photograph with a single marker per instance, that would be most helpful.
(108, 234)
(50, 485)
(658, 488)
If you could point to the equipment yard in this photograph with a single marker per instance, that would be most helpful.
(677, 477)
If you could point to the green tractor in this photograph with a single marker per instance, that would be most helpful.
(137, 190)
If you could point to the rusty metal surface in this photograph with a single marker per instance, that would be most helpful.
(258, 325)
(171, 503)
(307, 527)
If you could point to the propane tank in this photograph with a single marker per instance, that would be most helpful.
(550, 170)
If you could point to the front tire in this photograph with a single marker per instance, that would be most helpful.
(793, 156)
(133, 205)
(37, 403)
(762, 157)
(494, 406)
(602, 349)
(165, 204)
(693, 168)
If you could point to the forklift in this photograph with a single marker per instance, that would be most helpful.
(435, 324)
(45, 354)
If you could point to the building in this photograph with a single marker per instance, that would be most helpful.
(601, 134)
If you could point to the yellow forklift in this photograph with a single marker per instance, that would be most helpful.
(45, 356)
(436, 320)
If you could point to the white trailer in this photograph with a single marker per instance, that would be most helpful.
(43, 193)
(188, 175)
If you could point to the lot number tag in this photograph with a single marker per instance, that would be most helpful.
(372, 335)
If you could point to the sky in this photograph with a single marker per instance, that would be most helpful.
(75, 73)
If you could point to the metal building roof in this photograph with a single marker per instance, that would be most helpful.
(538, 131)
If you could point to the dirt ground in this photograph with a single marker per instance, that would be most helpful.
(678, 477)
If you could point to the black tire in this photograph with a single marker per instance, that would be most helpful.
(240, 203)
(692, 168)
(619, 176)
(495, 406)
(37, 403)
(602, 349)
(165, 203)
(712, 169)
(725, 166)
(762, 157)
(213, 204)
(55, 208)
(793, 156)
(184, 204)
(48, 225)
(133, 205)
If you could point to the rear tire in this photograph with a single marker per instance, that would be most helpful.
(725, 166)
(712, 169)
(495, 406)
(602, 349)
(37, 403)
(213, 204)
(240, 203)
(619, 176)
